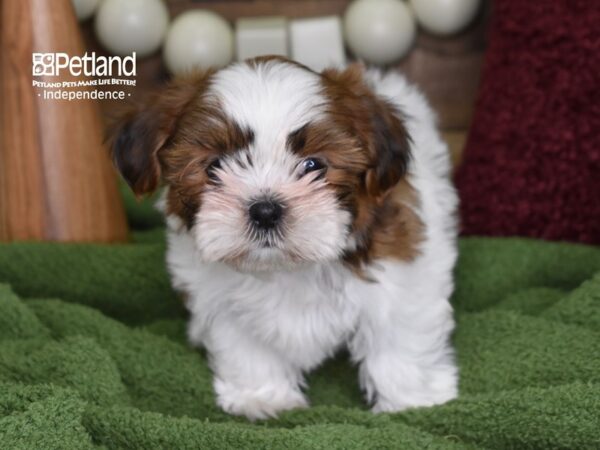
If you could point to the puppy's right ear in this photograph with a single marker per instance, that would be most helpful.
(142, 129)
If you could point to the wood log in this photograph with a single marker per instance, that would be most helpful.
(56, 179)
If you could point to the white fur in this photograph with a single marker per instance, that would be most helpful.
(264, 328)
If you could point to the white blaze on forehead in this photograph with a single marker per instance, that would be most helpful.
(272, 98)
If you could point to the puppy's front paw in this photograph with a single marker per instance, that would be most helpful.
(414, 400)
(257, 402)
(416, 388)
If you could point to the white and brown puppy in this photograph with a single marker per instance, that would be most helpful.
(306, 212)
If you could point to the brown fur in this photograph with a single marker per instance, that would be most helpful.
(143, 129)
(204, 134)
(369, 172)
(174, 136)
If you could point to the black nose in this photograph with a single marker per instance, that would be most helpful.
(265, 214)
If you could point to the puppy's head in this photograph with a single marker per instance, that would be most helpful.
(267, 163)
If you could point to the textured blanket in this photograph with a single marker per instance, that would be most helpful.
(93, 354)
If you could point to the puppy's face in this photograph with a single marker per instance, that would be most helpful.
(268, 164)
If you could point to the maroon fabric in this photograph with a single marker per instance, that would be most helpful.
(532, 161)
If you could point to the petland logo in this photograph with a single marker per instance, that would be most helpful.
(51, 64)
(87, 77)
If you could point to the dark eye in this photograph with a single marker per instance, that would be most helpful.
(312, 164)
(212, 168)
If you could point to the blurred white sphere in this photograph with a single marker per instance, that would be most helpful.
(379, 31)
(125, 26)
(445, 17)
(84, 9)
(198, 39)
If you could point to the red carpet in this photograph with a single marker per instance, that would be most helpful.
(532, 162)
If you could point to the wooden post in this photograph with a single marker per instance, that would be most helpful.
(56, 179)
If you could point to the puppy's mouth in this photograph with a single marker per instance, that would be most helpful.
(272, 239)
(267, 252)
(265, 259)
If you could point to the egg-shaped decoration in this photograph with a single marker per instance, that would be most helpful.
(84, 9)
(379, 31)
(126, 26)
(445, 17)
(198, 40)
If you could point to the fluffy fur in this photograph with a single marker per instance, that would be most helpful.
(362, 256)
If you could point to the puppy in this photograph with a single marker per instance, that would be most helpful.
(306, 212)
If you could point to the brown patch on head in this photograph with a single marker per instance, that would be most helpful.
(375, 122)
(204, 135)
(144, 128)
(367, 150)
(175, 135)
(342, 153)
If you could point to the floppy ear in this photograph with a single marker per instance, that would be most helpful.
(142, 129)
(378, 123)
(391, 145)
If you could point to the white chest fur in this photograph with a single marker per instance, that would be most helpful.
(307, 312)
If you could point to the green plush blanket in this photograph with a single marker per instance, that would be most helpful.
(93, 354)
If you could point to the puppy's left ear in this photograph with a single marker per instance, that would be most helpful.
(391, 146)
(377, 121)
